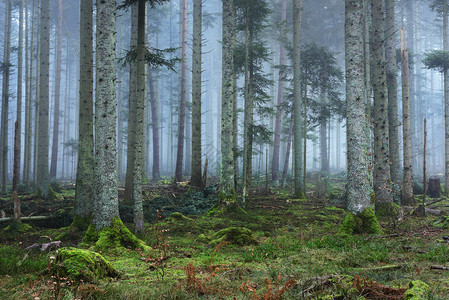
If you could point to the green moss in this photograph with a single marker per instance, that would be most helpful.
(387, 209)
(80, 264)
(364, 222)
(235, 235)
(112, 237)
(176, 216)
(417, 290)
(442, 221)
(81, 223)
(228, 209)
(202, 239)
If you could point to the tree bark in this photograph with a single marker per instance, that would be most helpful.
(5, 100)
(42, 175)
(227, 188)
(446, 99)
(155, 125)
(16, 173)
(280, 100)
(297, 102)
(382, 178)
(196, 180)
(407, 182)
(358, 186)
(392, 88)
(182, 92)
(106, 195)
(19, 87)
(55, 144)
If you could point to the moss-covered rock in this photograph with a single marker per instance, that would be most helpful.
(80, 264)
(364, 222)
(417, 290)
(176, 216)
(202, 239)
(111, 237)
(16, 230)
(235, 235)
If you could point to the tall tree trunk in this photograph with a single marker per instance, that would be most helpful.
(42, 175)
(139, 123)
(106, 195)
(297, 102)
(446, 99)
(358, 186)
(84, 189)
(382, 179)
(248, 114)
(16, 174)
(196, 94)
(280, 100)
(289, 146)
(19, 89)
(5, 100)
(407, 182)
(368, 87)
(154, 124)
(392, 88)
(182, 92)
(55, 144)
(323, 144)
(227, 188)
(129, 190)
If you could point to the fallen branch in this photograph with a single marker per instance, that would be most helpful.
(381, 268)
(435, 267)
(33, 218)
(45, 246)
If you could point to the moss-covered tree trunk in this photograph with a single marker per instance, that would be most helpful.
(85, 169)
(360, 217)
(382, 179)
(106, 194)
(297, 101)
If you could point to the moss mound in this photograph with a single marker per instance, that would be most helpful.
(115, 236)
(80, 264)
(16, 230)
(387, 209)
(176, 216)
(417, 290)
(240, 236)
(228, 209)
(364, 222)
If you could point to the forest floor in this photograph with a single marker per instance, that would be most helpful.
(298, 252)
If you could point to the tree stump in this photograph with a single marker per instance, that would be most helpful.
(434, 189)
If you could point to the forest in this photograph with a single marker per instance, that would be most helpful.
(224, 149)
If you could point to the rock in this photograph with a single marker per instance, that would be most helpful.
(240, 236)
(80, 264)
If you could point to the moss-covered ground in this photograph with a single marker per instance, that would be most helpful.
(299, 255)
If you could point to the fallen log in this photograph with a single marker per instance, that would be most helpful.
(434, 267)
(32, 218)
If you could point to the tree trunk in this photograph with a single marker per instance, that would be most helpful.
(367, 74)
(5, 100)
(280, 100)
(19, 88)
(392, 88)
(16, 173)
(227, 188)
(446, 100)
(84, 194)
(154, 125)
(129, 190)
(106, 195)
(382, 179)
(196, 180)
(182, 92)
(297, 102)
(358, 186)
(42, 175)
(55, 145)
(289, 146)
(434, 187)
(323, 141)
(407, 182)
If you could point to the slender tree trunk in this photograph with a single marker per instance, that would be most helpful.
(287, 154)
(358, 186)
(323, 144)
(55, 144)
(227, 187)
(367, 75)
(382, 179)
(16, 175)
(19, 88)
(129, 190)
(5, 100)
(196, 180)
(43, 181)
(280, 100)
(139, 123)
(392, 88)
(297, 102)
(407, 182)
(85, 178)
(106, 195)
(155, 125)
(446, 100)
(182, 98)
